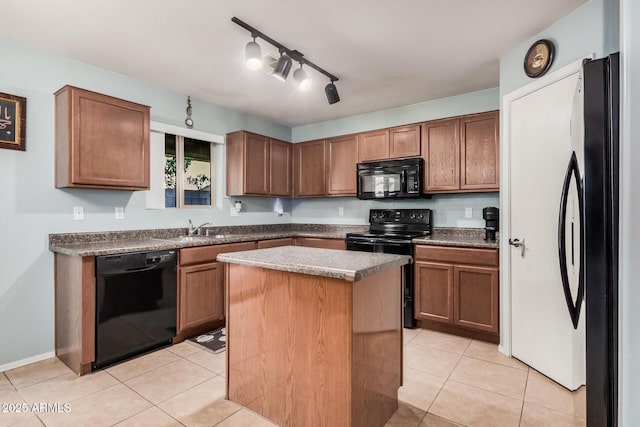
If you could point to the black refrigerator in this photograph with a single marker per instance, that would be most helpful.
(600, 184)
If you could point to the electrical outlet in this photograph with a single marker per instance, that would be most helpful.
(119, 212)
(78, 213)
(468, 212)
(340, 211)
(233, 211)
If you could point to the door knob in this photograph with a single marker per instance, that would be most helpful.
(518, 244)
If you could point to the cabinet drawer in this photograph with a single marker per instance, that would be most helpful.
(202, 254)
(287, 241)
(454, 255)
(314, 242)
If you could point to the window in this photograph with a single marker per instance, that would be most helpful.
(188, 172)
(183, 172)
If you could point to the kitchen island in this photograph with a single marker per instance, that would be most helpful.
(314, 335)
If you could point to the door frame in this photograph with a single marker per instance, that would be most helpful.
(505, 193)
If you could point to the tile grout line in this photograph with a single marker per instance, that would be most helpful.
(153, 405)
(439, 391)
(524, 396)
(496, 363)
(138, 375)
(38, 382)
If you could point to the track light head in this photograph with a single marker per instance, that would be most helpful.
(253, 55)
(283, 66)
(332, 93)
(303, 80)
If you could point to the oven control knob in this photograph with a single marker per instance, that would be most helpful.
(419, 216)
(413, 215)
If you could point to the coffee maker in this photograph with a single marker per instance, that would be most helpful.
(490, 215)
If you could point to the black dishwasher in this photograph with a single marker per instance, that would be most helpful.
(135, 304)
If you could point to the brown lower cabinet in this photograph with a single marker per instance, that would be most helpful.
(200, 295)
(457, 290)
(201, 287)
(315, 242)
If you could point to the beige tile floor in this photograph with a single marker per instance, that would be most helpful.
(448, 381)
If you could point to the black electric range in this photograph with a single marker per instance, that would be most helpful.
(392, 231)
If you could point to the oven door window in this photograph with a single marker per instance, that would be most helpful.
(381, 185)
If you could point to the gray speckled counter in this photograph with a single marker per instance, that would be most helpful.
(116, 242)
(346, 265)
(462, 237)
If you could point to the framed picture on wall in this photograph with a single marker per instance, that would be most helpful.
(13, 122)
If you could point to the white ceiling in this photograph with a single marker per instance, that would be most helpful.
(386, 53)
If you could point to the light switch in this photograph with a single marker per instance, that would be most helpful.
(119, 212)
(340, 211)
(468, 212)
(78, 213)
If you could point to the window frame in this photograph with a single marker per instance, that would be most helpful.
(217, 141)
(180, 175)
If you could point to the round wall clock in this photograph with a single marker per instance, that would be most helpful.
(539, 58)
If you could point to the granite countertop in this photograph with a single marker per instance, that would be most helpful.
(461, 237)
(346, 265)
(117, 242)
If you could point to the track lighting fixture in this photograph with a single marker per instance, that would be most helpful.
(300, 76)
(283, 65)
(253, 54)
(332, 93)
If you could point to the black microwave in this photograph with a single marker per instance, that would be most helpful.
(390, 179)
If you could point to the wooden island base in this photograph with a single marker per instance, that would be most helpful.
(309, 350)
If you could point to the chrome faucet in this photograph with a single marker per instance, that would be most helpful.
(196, 230)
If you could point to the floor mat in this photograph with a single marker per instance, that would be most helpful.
(215, 340)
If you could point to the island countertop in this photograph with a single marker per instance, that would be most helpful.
(346, 265)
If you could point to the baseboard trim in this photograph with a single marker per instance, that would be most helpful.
(27, 361)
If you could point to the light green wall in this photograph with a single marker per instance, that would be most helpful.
(592, 28)
(467, 103)
(31, 208)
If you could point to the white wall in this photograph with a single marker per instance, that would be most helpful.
(629, 215)
(31, 208)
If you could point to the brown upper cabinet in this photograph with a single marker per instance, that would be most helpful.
(342, 157)
(404, 141)
(441, 154)
(101, 141)
(309, 169)
(280, 167)
(373, 145)
(480, 152)
(383, 144)
(257, 165)
(462, 154)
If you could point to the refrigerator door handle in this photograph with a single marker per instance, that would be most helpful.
(573, 306)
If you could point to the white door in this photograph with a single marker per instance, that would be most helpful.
(542, 333)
